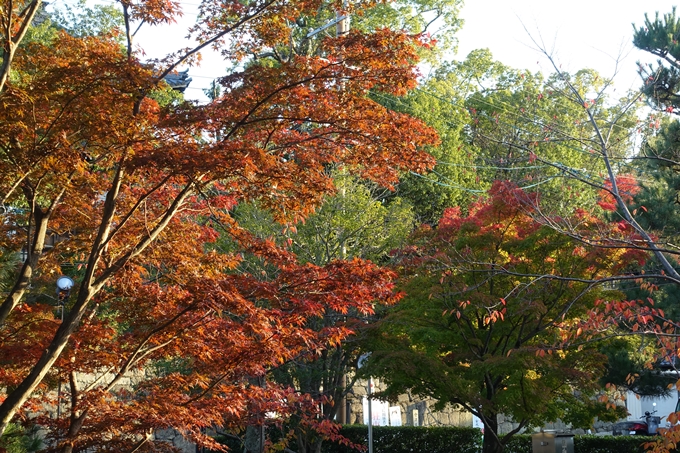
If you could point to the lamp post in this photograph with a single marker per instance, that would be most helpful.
(64, 285)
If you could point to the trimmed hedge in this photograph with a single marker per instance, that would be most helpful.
(410, 439)
(521, 443)
(610, 444)
(416, 439)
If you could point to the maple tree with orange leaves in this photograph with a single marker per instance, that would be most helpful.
(102, 183)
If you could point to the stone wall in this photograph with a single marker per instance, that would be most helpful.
(174, 438)
(83, 380)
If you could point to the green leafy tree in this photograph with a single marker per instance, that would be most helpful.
(526, 128)
(440, 102)
(496, 122)
(586, 145)
(493, 320)
(656, 163)
(435, 22)
(355, 223)
(657, 209)
(654, 204)
(657, 203)
(606, 132)
(629, 367)
(82, 20)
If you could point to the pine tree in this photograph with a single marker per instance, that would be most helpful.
(661, 37)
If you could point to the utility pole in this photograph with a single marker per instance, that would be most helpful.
(341, 23)
(342, 26)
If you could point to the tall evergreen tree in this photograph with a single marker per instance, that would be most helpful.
(661, 37)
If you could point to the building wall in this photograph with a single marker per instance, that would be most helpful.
(414, 411)
(418, 412)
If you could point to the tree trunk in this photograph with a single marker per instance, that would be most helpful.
(254, 439)
(491, 442)
(308, 441)
(89, 287)
(77, 418)
(35, 250)
(13, 35)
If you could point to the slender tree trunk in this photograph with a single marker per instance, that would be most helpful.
(91, 284)
(17, 397)
(11, 41)
(316, 446)
(76, 420)
(254, 439)
(35, 250)
(20, 394)
(308, 442)
(490, 442)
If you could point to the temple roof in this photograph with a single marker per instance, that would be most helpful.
(178, 80)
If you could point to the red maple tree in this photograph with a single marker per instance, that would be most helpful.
(132, 192)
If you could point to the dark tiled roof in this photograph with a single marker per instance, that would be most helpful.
(178, 80)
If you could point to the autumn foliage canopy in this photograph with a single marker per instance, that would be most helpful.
(128, 197)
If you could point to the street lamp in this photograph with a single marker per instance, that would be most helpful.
(64, 285)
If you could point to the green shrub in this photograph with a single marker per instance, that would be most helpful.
(415, 439)
(521, 443)
(410, 439)
(610, 444)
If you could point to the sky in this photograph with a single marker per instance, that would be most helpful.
(580, 34)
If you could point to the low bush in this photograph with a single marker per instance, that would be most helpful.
(411, 439)
(17, 439)
(611, 444)
(415, 439)
(521, 443)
